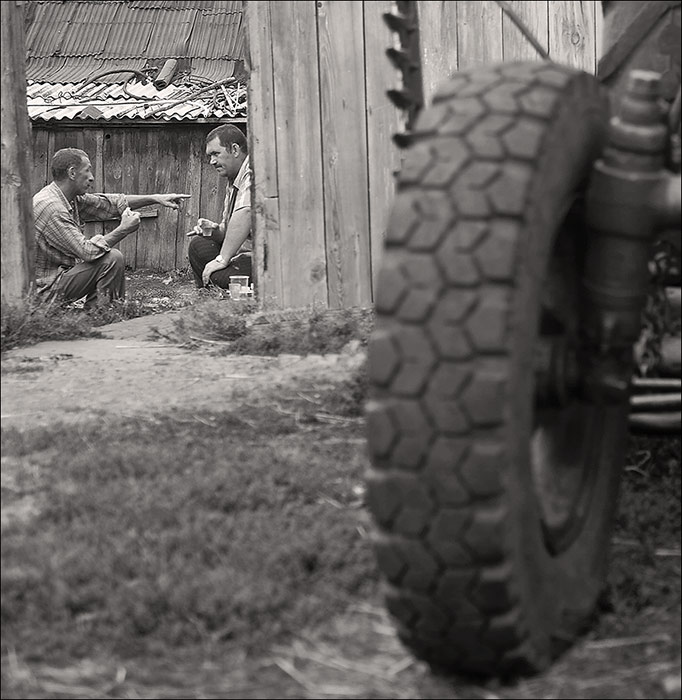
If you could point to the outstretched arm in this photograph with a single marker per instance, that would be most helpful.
(136, 201)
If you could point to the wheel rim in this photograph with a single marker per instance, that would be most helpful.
(564, 458)
(565, 443)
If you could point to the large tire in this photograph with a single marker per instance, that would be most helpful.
(494, 516)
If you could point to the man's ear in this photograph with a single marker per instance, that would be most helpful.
(72, 173)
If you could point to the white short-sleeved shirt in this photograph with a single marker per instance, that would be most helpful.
(240, 190)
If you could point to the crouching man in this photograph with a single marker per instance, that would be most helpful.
(219, 250)
(70, 266)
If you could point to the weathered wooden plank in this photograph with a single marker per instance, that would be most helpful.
(438, 43)
(65, 138)
(123, 156)
(270, 294)
(213, 187)
(479, 33)
(166, 178)
(190, 154)
(112, 155)
(261, 96)
(16, 231)
(50, 153)
(598, 33)
(41, 171)
(156, 236)
(383, 121)
(299, 162)
(535, 17)
(267, 270)
(92, 140)
(344, 159)
(143, 151)
(572, 34)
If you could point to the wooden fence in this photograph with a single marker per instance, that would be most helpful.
(142, 159)
(321, 124)
(16, 225)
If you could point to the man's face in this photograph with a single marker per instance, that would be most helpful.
(223, 159)
(83, 177)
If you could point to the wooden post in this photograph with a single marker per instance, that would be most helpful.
(267, 243)
(16, 231)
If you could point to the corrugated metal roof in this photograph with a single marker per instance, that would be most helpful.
(217, 39)
(206, 6)
(74, 40)
(75, 101)
(74, 70)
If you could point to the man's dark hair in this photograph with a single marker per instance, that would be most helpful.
(63, 159)
(227, 135)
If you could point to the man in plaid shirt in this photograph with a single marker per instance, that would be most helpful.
(69, 265)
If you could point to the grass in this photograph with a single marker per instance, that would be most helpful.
(646, 569)
(177, 532)
(195, 539)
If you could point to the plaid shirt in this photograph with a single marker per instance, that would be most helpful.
(60, 242)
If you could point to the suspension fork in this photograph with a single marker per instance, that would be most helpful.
(631, 196)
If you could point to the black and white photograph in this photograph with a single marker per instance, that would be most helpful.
(341, 349)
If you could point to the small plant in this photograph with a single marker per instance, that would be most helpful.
(34, 320)
(245, 331)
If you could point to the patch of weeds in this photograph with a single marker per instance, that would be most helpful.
(350, 395)
(122, 310)
(34, 320)
(644, 572)
(248, 332)
(174, 532)
(215, 320)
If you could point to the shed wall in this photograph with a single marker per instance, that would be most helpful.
(321, 124)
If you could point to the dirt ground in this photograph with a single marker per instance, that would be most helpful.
(126, 373)
(129, 373)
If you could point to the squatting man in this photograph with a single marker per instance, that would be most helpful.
(70, 266)
(218, 251)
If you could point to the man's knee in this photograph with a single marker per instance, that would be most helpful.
(193, 245)
(114, 258)
(200, 251)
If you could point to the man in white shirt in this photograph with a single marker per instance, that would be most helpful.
(218, 251)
